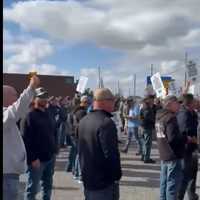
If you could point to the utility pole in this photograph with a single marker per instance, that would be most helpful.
(151, 69)
(186, 62)
(134, 85)
(118, 87)
(99, 76)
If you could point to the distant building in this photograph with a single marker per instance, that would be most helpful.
(56, 85)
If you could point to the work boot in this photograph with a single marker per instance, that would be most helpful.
(150, 161)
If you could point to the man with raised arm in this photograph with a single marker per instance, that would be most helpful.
(14, 154)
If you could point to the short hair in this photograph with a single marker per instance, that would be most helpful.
(101, 94)
(187, 99)
(169, 99)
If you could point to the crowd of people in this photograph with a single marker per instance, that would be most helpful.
(36, 126)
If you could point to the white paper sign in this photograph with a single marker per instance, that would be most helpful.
(192, 71)
(158, 85)
(191, 89)
(82, 84)
(172, 90)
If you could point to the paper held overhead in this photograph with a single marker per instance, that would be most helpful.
(82, 84)
(172, 90)
(192, 71)
(191, 89)
(158, 85)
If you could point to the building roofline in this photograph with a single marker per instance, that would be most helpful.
(59, 75)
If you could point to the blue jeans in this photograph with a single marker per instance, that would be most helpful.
(62, 134)
(77, 169)
(109, 193)
(147, 143)
(11, 187)
(45, 174)
(170, 177)
(134, 131)
(188, 182)
(72, 155)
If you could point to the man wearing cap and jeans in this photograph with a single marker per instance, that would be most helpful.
(40, 142)
(171, 146)
(147, 116)
(74, 164)
(98, 150)
(133, 127)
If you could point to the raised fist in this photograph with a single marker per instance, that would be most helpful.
(34, 81)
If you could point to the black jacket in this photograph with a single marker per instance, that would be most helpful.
(98, 150)
(147, 116)
(39, 136)
(188, 123)
(78, 113)
(171, 143)
(54, 111)
(55, 114)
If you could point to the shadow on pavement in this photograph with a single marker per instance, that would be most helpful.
(148, 167)
(150, 183)
(151, 179)
(65, 188)
(154, 175)
(130, 159)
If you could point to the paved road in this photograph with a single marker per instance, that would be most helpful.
(139, 182)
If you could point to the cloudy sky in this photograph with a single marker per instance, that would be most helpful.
(72, 37)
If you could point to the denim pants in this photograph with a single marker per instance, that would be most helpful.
(72, 155)
(109, 193)
(188, 182)
(134, 131)
(11, 187)
(147, 143)
(44, 174)
(62, 134)
(77, 169)
(170, 177)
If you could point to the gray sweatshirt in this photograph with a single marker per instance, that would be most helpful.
(14, 153)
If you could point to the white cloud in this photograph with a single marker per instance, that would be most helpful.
(157, 32)
(45, 69)
(26, 54)
(28, 51)
(89, 72)
(123, 25)
(169, 66)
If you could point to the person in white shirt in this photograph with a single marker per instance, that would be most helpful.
(14, 153)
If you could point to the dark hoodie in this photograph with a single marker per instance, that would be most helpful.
(171, 143)
(188, 123)
(79, 112)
